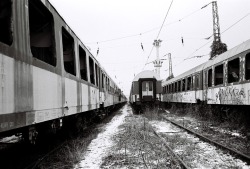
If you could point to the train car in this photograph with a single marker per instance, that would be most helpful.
(47, 75)
(185, 88)
(223, 80)
(145, 90)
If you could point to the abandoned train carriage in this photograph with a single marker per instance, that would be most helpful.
(224, 80)
(46, 72)
(145, 90)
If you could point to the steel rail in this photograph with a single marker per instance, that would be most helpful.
(233, 152)
(178, 158)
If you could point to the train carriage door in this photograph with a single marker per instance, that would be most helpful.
(147, 90)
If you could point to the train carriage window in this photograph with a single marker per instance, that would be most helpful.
(189, 82)
(83, 64)
(42, 40)
(108, 84)
(197, 82)
(150, 86)
(68, 52)
(179, 86)
(143, 86)
(247, 67)
(96, 74)
(210, 78)
(205, 80)
(193, 82)
(233, 70)
(91, 70)
(218, 75)
(183, 85)
(103, 80)
(6, 22)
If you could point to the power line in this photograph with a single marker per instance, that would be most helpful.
(236, 22)
(148, 57)
(212, 40)
(159, 32)
(164, 19)
(145, 32)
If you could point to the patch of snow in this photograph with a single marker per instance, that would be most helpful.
(100, 146)
(11, 139)
(163, 127)
(168, 112)
(236, 134)
(201, 154)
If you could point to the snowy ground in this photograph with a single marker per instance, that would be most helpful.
(100, 147)
(200, 154)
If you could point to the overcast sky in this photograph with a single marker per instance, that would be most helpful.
(119, 27)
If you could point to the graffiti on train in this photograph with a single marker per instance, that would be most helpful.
(231, 95)
(180, 97)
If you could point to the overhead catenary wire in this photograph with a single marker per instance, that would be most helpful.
(158, 33)
(145, 32)
(191, 55)
(164, 19)
(221, 33)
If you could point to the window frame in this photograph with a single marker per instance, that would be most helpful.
(10, 25)
(229, 77)
(247, 73)
(65, 32)
(210, 77)
(217, 72)
(35, 51)
(80, 48)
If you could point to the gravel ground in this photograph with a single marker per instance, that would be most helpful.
(218, 132)
(196, 153)
(127, 141)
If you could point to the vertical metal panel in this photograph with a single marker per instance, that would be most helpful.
(135, 87)
(71, 95)
(85, 97)
(6, 84)
(47, 89)
(158, 87)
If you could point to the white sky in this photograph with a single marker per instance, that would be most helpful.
(101, 20)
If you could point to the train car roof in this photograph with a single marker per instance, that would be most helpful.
(187, 73)
(230, 53)
(147, 74)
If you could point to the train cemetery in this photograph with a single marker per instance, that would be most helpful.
(148, 140)
(63, 106)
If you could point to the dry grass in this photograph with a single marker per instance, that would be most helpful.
(70, 154)
(138, 147)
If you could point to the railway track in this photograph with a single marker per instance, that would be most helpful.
(233, 152)
(174, 155)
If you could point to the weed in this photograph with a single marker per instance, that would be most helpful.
(138, 147)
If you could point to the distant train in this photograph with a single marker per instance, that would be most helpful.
(47, 75)
(145, 90)
(223, 80)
